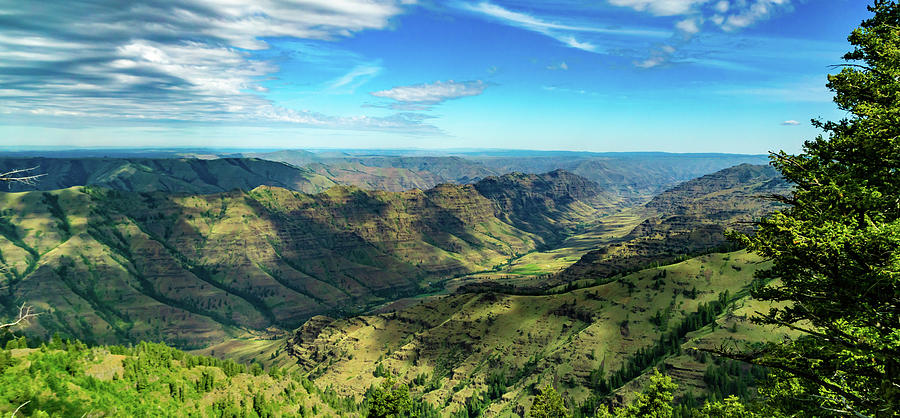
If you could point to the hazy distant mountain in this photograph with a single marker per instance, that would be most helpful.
(632, 176)
(381, 172)
(629, 174)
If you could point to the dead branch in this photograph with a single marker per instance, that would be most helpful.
(22, 176)
(17, 409)
(25, 314)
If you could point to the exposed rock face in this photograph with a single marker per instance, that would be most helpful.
(733, 196)
(688, 219)
(538, 201)
(188, 269)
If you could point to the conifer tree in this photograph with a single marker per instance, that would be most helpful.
(836, 244)
(549, 404)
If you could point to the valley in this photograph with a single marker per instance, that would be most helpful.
(268, 257)
(473, 295)
(457, 209)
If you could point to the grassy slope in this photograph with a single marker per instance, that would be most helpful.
(460, 340)
(688, 219)
(195, 270)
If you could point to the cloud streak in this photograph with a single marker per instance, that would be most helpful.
(423, 96)
(187, 60)
(661, 7)
(568, 34)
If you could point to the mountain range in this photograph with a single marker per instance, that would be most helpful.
(111, 266)
(427, 274)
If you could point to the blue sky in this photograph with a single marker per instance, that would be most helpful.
(742, 76)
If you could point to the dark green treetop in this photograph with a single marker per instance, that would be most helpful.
(836, 245)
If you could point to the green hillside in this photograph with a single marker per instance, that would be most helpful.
(494, 349)
(690, 218)
(194, 270)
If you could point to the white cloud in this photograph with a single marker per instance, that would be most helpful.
(572, 42)
(688, 26)
(568, 34)
(185, 60)
(567, 90)
(422, 96)
(790, 123)
(561, 66)
(661, 7)
(356, 77)
(727, 15)
(651, 62)
(752, 12)
(721, 7)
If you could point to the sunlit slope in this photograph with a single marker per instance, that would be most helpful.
(458, 342)
(193, 270)
(688, 219)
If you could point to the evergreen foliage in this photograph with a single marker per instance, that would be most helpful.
(388, 400)
(549, 404)
(67, 378)
(655, 402)
(668, 343)
(836, 246)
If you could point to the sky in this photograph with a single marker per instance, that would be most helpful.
(735, 76)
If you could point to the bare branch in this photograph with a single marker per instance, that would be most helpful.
(17, 409)
(25, 314)
(22, 176)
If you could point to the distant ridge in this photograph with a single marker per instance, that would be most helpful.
(688, 219)
(177, 175)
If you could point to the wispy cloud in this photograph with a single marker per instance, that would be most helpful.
(745, 13)
(801, 91)
(661, 7)
(727, 15)
(568, 34)
(561, 66)
(558, 89)
(423, 96)
(790, 123)
(358, 76)
(185, 60)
